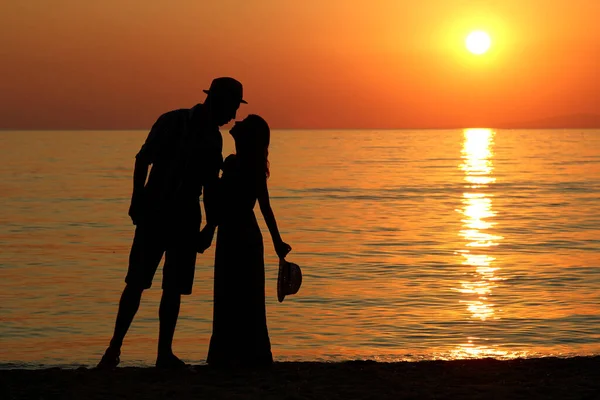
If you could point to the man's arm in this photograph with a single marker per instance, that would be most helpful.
(140, 173)
(211, 201)
(212, 166)
(210, 207)
(146, 156)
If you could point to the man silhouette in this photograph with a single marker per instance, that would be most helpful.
(185, 149)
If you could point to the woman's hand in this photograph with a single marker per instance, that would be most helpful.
(282, 249)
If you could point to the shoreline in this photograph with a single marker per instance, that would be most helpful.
(527, 378)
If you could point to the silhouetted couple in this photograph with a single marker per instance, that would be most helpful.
(185, 149)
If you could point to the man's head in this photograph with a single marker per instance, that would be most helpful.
(224, 97)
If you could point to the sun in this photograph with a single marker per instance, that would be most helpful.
(478, 42)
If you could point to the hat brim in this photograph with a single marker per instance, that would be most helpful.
(280, 279)
(241, 101)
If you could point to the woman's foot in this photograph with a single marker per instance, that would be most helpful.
(169, 361)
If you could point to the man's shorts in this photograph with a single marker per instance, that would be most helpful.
(177, 241)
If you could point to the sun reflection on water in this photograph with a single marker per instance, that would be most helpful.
(477, 222)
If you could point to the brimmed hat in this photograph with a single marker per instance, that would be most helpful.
(227, 86)
(289, 279)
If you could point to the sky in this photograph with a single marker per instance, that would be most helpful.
(119, 64)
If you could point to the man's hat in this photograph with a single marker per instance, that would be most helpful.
(289, 279)
(227, 86)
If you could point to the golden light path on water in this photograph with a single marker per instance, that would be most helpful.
(477, 222)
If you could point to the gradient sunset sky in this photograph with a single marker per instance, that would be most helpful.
(119, 64)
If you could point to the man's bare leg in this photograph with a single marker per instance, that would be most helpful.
(128, 307)
(168, 313)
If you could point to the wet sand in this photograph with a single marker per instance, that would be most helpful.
(543, 378)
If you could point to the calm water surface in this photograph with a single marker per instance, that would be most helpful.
(413, 244)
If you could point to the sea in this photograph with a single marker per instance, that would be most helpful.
(413, 244)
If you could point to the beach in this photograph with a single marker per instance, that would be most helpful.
(541, 378)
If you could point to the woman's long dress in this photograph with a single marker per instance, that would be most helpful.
(240, 335)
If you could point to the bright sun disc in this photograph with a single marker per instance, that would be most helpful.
(478, 42)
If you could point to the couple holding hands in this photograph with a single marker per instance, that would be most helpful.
(185, 148)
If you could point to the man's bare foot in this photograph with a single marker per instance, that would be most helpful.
(110, 359)
(169, 361)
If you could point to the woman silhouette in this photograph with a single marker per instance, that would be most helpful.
(240, 335)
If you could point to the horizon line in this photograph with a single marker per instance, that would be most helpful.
(314, 128)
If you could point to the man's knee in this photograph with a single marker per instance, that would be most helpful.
(133, 290)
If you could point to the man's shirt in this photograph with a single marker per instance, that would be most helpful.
(186, 153)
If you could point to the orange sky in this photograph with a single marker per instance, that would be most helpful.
(312, 63)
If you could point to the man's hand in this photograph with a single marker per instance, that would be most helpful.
(136, 208)
(282, 249)
(205, 237)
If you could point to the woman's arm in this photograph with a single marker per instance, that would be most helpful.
(281, 248)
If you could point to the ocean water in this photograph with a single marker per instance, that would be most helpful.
(414, 245)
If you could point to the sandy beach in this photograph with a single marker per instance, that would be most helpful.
(572, 378)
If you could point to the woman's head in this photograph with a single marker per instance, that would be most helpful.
(252, 137)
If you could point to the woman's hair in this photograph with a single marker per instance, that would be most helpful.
(258, 137)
